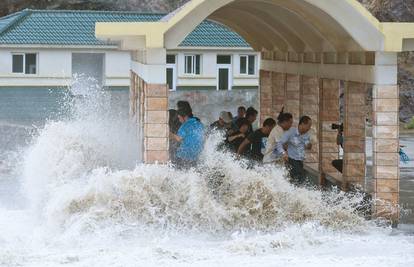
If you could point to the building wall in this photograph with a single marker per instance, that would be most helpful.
(208, 76)
(54, 67)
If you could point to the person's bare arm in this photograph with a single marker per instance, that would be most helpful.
(175, 137)
(232, 138)
(243, 146)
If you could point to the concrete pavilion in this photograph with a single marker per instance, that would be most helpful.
(309, 48)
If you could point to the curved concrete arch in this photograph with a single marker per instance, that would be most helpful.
(258, 26)
(326, 25)
(307, 32)
(260, 40)
(334, 18)
(248, 37)
(278, 27)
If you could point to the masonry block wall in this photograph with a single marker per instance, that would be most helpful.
(151, 100)
(272, 94)
(278, 92)
(386, 146)
(292, 101)
(328, 114)
(309, 105)
(354, 134)
(266, 99)
(136, 109)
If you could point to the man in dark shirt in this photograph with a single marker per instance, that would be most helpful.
(241, 113)
(255, 143)
(234, 140)
(251, 116)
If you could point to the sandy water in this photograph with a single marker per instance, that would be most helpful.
(73, 193)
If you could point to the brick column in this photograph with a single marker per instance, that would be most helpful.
(386, 146)
(148, 109)
(278, 92)
(354, 134)
(328, 113)
(309, 105)
(155, 123)
(293, 96)
(136, 109)
(266, 99)
(386, 171)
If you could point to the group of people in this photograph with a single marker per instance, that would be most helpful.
(275, 142)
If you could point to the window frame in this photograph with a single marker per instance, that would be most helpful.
(23, 63)
(193, 64)
(172, 66)
(224, 55)
(175, 59)
(24, 54)
(247, 56)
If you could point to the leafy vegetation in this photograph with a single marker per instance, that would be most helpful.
(410, 124)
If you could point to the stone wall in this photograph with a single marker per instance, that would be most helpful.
(148, 108)
(207, 104)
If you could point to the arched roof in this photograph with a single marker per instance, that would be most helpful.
(285, 25)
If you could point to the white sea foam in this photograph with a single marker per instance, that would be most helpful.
(93, 205)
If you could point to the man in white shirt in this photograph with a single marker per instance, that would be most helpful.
(284, 123)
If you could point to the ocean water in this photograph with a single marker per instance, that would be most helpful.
(74, 193)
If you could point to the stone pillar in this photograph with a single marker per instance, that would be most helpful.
(136, 108)
(278, 92)
(266, 99)
(309, 105)
(386, 146)
(292, 102)
(354, 134)
(149, 104)
(155, 123)
(272, 94)
(328, 113)
(386, 136)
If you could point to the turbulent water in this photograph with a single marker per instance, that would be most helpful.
(73, 193)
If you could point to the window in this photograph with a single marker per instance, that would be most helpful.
(18, 63)
(24, 63)
(170, 59)
(192, 64)
(222, 59)
(170, 77)
(248, 64)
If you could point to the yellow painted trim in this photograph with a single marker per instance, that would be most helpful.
(395, 34)
(152, 31)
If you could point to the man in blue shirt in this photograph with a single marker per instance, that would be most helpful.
(296, 140)
(191, 138)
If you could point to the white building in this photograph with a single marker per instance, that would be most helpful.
(49, 48)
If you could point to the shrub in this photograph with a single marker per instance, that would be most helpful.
(410, 124)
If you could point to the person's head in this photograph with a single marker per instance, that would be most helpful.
(251, 114)
(185, 104)
(184, 113)
(241, 112)
(173, 122)
(285, 120)
(243, 125)
(224, 118)
(230, 115)
(268, 125)
(305, 124)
